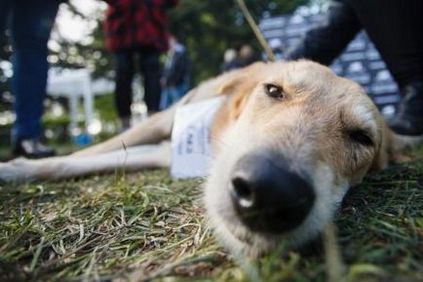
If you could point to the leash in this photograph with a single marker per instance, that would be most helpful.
(257, 32)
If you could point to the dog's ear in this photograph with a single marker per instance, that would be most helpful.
(240, 86)
(241, 79)
(231, 85)
(238, 90)
(237, 105)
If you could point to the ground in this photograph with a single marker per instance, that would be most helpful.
(146, 226)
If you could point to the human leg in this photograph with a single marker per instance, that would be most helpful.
(150, 69)
(326, 41)
(398, 38)
(124, 68)
(4, 15)
(396, 28)
(31, 25)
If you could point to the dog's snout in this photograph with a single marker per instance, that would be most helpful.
(267, 196)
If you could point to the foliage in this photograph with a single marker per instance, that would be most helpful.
(105, 107)
(90, 53)
(208, 28)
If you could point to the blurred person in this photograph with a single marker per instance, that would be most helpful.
(396, 29)
(176, 77)
(137, 30)
(230, 60)
(30, 24)
(247, 56)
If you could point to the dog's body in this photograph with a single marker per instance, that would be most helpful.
(289, 141)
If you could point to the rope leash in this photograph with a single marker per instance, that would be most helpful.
(257, 32)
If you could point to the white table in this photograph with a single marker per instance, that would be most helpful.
(74, 84)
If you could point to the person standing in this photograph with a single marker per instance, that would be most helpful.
(137, 30)
(176, 78)
(31, 23)
(396, 29)
(230, 60)
(247, 56)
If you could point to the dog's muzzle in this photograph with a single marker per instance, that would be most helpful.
(267, 196)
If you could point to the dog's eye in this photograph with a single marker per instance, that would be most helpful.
(273, 91)
(361, 137)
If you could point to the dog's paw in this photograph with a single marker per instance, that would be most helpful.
(400, 158)
(17, 170)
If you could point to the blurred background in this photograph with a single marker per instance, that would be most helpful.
(80, 109)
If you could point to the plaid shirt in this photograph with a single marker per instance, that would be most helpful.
(131, 24)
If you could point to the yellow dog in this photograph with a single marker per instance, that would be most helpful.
(289, 141)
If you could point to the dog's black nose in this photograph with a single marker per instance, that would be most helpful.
(267, 196)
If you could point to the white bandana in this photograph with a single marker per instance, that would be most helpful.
(191, 148)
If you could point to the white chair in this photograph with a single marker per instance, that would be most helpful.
(73, 84)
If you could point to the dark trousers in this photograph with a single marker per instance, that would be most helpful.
(394, 26)
(149, 66)
(30, 24)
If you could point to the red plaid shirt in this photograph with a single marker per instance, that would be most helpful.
(131, 24)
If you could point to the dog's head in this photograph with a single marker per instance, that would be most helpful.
(296, 138)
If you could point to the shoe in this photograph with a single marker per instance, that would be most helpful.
(408, 121)
(32, 149)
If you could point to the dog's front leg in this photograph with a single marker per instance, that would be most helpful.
(153, 130)
(136, 158)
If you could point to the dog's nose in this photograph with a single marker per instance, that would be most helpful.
(267, 196)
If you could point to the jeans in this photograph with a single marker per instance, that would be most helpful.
(172, 94)
(30, 24)
(149, 66)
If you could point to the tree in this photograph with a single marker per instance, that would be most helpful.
(208, 28)
(91, 53)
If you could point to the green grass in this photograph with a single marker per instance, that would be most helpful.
(145, 226)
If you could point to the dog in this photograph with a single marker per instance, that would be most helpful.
(288, 142)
